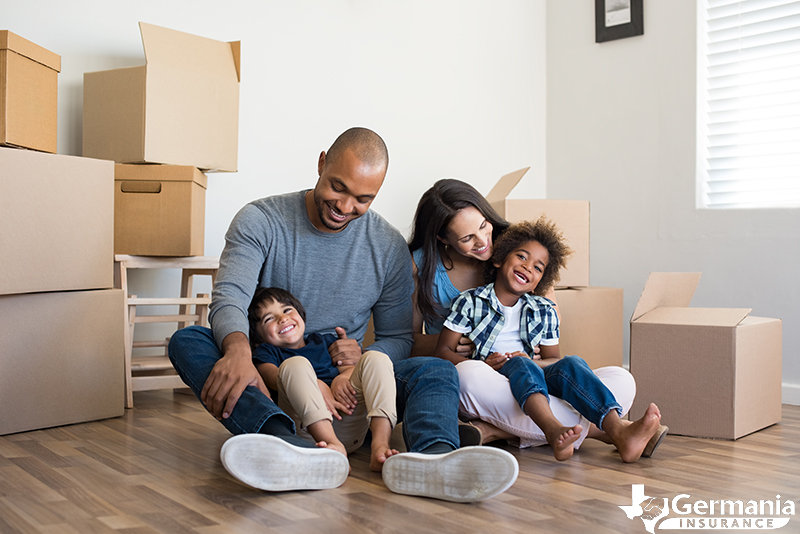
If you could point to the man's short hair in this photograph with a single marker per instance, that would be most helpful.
(365, 144)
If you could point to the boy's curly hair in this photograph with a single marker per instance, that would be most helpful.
(545, 232)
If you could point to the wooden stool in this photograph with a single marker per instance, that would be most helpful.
(143, 373)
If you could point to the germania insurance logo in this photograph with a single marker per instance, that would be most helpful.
(724, 514)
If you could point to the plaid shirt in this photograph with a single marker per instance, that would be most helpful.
(480, 311)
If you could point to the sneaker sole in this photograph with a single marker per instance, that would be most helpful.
(271, 464)
(464, 475)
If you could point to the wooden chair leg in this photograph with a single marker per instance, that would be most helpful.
(131, 321)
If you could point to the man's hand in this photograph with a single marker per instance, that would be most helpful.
(344, 351)
(230, 376)
(465, 347)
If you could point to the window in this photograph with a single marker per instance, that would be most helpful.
(748, 103)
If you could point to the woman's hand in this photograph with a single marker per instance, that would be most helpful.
(465, 347)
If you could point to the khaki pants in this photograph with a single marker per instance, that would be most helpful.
(373, 379)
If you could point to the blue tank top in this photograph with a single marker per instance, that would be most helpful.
(444, 292)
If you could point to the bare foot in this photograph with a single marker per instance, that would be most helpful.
(561, 440)
(632, 438)
(333, 445)
(378, 455)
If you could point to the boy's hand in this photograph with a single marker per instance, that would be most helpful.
(344, 351)
(344, 392)
(465, 347)
(496, 360)
(536, 355)
(332, 404)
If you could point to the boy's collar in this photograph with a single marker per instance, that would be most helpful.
(487, 292)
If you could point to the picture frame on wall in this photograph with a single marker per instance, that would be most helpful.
(616, 19)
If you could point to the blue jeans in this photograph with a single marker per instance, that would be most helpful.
(569, 379)
(427, 394)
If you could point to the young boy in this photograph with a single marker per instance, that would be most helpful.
(506, 320)
(311, 390)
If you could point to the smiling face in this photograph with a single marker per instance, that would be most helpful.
(470, 234)
(280, 325)
(344, 192)
(520, 271)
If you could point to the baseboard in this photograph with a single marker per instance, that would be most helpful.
(790, 394)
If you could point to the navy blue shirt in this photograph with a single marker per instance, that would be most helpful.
(315, 351)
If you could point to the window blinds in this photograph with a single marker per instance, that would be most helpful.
(749, 104)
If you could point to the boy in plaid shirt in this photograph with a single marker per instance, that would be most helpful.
(506, 320)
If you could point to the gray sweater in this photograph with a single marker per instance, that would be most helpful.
(340, 278)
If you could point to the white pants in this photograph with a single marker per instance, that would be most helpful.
(485, 394)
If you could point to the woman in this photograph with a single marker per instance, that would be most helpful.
(452, 236)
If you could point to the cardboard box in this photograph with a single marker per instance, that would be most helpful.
(57, 220)
(159, 210)
(592, 324)
(62, 358)
(571, 217)
(180, 108)
(28, 94)
(713, 372)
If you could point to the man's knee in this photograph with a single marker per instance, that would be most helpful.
(425, 369)
(188, 340)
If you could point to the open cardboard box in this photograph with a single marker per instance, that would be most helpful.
(28, 94)
(57, 217)
(159, 210)
(570, 216)
(713, 372)
(181, 108)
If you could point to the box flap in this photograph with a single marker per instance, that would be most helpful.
(32, 51)
(159, 173)
(666, 290)
(236, 49)
(186, 52)
(727, 317)
(505, 184)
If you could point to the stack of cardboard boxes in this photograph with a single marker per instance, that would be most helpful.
(164, 124)
(60, 319)
(591, 317)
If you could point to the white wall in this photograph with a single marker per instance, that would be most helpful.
(621, 133)
(455, 87)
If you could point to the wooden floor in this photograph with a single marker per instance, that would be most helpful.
(157, 469)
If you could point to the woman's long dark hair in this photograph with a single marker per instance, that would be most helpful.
(435, 210)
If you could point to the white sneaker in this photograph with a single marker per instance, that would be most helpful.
(271, 464)
(464, 475)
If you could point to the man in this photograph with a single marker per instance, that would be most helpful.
(345, 263)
